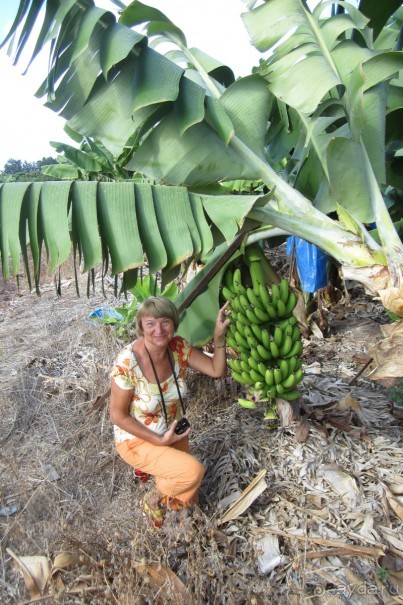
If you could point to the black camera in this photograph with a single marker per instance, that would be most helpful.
(182, 426)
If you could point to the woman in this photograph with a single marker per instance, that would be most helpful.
(147, 390)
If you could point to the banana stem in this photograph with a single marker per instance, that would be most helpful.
(261, 270)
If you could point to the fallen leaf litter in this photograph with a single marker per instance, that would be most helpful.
(325, 521)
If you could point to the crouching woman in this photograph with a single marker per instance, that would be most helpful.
(148, 386)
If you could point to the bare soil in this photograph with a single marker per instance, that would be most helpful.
(326, 529)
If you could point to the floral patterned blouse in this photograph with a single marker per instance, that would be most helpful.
(146, 406)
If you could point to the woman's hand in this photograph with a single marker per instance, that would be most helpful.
(170, 437)
(221, 324)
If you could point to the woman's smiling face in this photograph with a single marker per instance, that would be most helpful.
(157, 331)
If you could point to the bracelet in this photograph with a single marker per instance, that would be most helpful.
(219, 346)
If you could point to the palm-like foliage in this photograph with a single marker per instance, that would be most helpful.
(184, 121)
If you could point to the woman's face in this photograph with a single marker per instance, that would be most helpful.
(157, 331)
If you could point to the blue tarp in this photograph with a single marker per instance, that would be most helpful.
(311, 263)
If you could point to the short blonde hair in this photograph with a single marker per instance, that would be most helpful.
(156, 306)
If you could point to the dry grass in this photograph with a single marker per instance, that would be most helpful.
(71, 492)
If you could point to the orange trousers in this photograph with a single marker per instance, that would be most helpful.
(177, 473)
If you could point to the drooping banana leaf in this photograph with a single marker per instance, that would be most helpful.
(11, 200)
(131, 223)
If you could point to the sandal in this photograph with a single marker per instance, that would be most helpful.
(154, 515)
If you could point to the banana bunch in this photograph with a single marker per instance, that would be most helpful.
(265, 335)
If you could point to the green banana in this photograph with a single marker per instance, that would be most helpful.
(253, 299)
(271, 311)
(239, 377)
(256, 376)
(253, 364)
(246, 376)
(267, 304)
(264, 353)
(227, 293)
(261, 368)
(269, 377)
(286, 346)
(251, 315)
(255, 354)
(248, 331)
(229, 280)
(271, 392)
(244, 302)
(274, 349)
(277, 376)
(298, 376)
(279, 389)
(257, 331)
(264, 295)
(232, 326)
(292, 364)
(261, 315)
(288, 328)
(245, 366)
(234, 317)
(247, 403)
(284, 366)
(296, 349)
(235, 304)
(280, 308)
(240, 316)
(231, 342)
(289, 321)
(296, 333)
(236, 280)
(234, 364)
(284, 288)
(298, 364)
(278, 336)
(256, 274)
(265, 338)
(291, 303)
(252, 342)
(240, 327)
(289, 382)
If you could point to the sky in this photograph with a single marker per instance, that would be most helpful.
(26, 126)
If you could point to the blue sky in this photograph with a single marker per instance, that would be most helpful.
(26, 126)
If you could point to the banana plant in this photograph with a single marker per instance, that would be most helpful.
(190, 125)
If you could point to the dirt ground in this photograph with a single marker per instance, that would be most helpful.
(326, 527)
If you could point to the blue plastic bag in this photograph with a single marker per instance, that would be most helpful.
(101, 312)
(311, 263)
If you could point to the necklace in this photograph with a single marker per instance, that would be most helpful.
(159, 385)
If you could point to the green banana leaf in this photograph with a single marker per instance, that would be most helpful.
(11, 200)
(131, 223)
(61, 171)
(197, 321)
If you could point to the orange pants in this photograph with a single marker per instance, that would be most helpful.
(177, 473)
